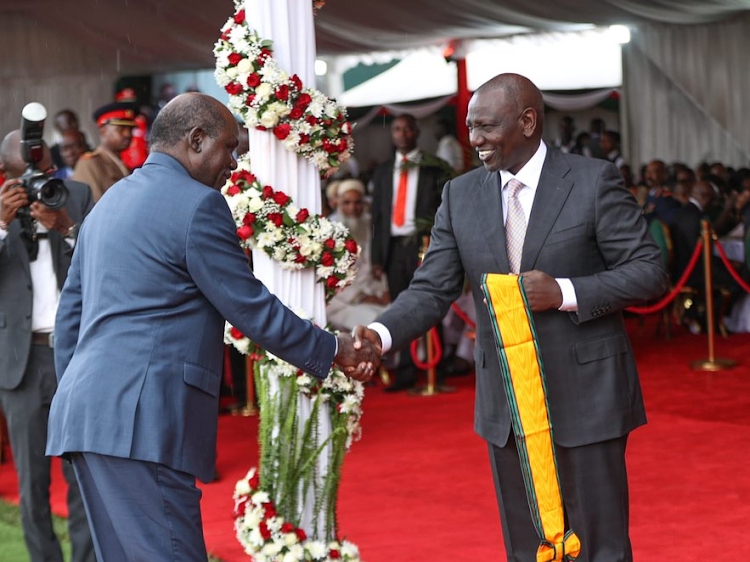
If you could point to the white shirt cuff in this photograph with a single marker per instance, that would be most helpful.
(3, 234)
(570, 302)
(385, 336)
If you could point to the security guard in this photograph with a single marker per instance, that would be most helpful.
(101, 168)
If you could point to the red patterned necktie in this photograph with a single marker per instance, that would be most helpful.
(399, 210)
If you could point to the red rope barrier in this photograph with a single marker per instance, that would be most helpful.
(438, 351)
(732, 272)
(463, 316)
(677, 288)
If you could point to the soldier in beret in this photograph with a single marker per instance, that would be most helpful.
(102, 168)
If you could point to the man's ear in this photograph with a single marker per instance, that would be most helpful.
(195, 138)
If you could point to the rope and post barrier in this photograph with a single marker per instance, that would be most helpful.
(433, 349)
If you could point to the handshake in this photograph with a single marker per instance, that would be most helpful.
(359, 353)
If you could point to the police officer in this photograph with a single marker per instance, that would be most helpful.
(101, 168)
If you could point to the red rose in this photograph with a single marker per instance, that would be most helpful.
(235, 58)
(239, 17)
(287, 528)
(351, 246)
(302, 215)
(233, 190)
(303, 100)
(296, 82)
(334, 555)
(303, 138)
(246, 176)
(276, 218)
(250, 99)
(311, 119)
(342, 145)
(327, 259)
(240, 507)
(300, 259)
(254, 481)
(267, 192)
(245, 232)
(300, 535)
(281, 198)
(233, 88)
(329, 147)
(282, 131)
(331, 282)
(296, 113)
(264, 531)
(264, 54)
(270, 510)
(330, 243)
(249, 219)
(253, 80)
(282, 92)
(236, 334)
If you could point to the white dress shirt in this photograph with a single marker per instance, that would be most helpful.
(529, 176)
(409, 227)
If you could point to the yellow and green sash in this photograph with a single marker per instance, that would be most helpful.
(523, 376)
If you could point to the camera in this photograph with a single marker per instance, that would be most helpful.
(39, 185)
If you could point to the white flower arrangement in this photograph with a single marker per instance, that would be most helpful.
(267, 98)
(268, 220)
(267, 537)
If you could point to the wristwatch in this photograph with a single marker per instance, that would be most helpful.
(72, 231)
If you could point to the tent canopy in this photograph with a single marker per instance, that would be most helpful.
(145, 36)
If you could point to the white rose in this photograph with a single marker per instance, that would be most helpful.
(349, 549)
(290, 539)
(316, 549)
(232, 71)
(263, 90)
(259, 498)
(255, 538)
(269, 119)
(242, 488)
(272, 548)
(252, 520)
(254, 204)
(245, 66)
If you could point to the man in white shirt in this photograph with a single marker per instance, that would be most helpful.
(586, 255)
(33, 268)
(406, 194)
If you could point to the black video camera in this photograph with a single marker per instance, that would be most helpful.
(39, 185)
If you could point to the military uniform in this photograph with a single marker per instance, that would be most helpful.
(102, 168)
(99, 169)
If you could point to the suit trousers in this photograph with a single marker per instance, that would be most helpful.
(26, 410)
(140, 511)
(595, 493)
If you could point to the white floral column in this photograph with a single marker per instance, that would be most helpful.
(289, 24)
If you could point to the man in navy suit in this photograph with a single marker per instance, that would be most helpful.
(586, 255)
(138, 353)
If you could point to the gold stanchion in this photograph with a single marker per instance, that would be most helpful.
(712, 363)
(249, 409)
(432, 387)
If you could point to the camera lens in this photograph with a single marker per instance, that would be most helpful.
(51, 192)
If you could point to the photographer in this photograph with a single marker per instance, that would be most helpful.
(36, 245)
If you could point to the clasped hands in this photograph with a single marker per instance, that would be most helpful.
(359, 353)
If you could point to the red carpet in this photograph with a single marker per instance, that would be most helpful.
(418, 487)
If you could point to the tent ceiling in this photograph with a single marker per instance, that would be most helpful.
(133, 36)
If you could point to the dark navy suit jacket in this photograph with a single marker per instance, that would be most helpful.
(139, 334)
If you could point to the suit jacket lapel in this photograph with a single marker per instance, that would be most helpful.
(489, 212)
(388, 195)
(551, 194)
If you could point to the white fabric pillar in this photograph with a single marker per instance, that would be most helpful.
(289, 24)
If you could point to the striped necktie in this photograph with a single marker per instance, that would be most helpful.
(515, 227)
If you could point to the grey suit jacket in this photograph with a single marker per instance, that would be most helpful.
(584, 225)
(16, 291)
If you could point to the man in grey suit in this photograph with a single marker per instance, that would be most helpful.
(139, 338)
(586, 256)
(32, 274)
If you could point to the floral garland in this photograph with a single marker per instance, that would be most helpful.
(268, 220)
(267, 98)
(268, 538)
(336, 389)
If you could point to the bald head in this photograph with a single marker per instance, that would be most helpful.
(12, 161)
(505, 121)
(201, 134)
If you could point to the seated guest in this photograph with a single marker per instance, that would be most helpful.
(610, 146)
(660, 202)
(367, 297)
(72, 146)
